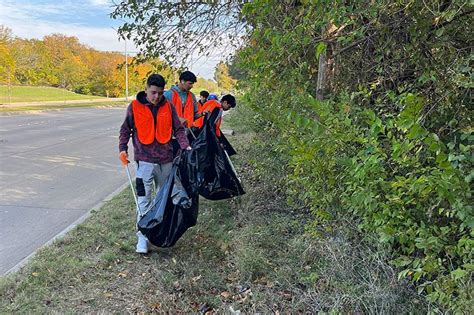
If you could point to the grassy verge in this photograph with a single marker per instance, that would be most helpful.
(38, 94)
(61, 106)
(249, 254)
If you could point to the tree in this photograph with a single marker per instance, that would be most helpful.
(221, 75)
(204, 84)
(7, 62)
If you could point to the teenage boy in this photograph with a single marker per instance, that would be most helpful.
(183, 99)
(203, 95)
(227, 102)
(150, 121)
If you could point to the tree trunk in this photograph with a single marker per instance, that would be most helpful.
(322, 76)
(325, 67)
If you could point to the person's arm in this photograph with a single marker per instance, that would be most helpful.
(126, 131)
(196, 108)
(179, 131)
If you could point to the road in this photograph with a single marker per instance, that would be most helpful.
(54, 167)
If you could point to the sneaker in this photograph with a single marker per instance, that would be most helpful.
(142, 244)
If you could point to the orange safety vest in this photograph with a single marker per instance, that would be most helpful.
(200, 105)
(188, 111)
(145, 124)
(209, 106)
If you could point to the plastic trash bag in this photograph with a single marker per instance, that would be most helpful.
(179, 196)
(226, 145)
(219, 178)
(171, 213)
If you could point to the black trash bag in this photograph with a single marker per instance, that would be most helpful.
(220, 180)
(192, 165)
(171, 214)
(227, 146)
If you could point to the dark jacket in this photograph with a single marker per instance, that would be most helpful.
(154, 152)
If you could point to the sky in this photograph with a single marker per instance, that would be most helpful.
(88, 20)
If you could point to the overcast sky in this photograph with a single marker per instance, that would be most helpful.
(88, 20)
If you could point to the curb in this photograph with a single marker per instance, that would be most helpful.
(61, 234)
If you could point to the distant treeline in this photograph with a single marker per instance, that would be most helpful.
(62, 61)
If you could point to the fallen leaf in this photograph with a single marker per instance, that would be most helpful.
(122, 274)
(194, 279)
(35, 274)
(108, 295)
(174, 261)
(225, 294)
(156, 306)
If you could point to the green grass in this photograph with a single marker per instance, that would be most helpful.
(39, 94)
(249, 253)
(19, 109)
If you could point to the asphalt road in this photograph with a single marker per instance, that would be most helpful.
(54, 167)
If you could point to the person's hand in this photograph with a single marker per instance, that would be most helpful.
(189, 148)
(123, 156)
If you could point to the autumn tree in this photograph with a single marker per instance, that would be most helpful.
(7, 62)
(224, 81)
(206, 84)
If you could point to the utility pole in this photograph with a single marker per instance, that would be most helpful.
(126, 72)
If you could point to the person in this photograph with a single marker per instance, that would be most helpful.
(203, 95)
(150, 121)
(183, 99)
(212, 97)
(227, 102)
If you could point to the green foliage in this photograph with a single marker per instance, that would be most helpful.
(391, 147)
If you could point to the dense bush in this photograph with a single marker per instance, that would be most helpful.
(391, 144)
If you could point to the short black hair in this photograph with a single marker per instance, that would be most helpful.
(230, 100)
(204, 94)
(188, 76)
(156, 80)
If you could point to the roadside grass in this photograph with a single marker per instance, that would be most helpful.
(39, 94)
(20, 109)
(248, 254)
